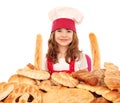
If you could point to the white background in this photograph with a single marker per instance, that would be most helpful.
(22, 20)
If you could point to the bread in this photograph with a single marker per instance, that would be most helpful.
(85, 76)
(108, 94)
(34, 74)
(100, 73)
(67, 95)
(38, 52)
(110, 66)
(5, 89)
(64, 79)
(26, 93)
(47, 85)
(95, 51)
(112, 76)
(19, 79)
(2, 84)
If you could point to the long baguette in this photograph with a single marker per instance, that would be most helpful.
(38, 52)
(95, 51)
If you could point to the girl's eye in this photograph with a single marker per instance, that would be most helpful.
(69, 31)
(58, 30)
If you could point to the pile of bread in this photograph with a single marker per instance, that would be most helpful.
(30, 85)
(33, 85)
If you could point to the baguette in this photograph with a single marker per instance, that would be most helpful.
(95, 51)
(38, 52)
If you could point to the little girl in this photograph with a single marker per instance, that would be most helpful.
(63, 52)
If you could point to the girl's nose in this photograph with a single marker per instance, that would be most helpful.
(64, 33)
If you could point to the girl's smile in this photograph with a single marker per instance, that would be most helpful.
(63, 36)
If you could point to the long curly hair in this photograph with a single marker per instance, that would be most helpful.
(72, 52)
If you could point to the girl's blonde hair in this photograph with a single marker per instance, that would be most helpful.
(72, 53)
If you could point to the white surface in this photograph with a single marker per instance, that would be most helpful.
(22, 20)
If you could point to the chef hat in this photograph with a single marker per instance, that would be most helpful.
(65, 17)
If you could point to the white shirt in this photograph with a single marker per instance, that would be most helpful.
(62, 65)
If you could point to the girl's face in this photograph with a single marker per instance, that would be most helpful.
(63, 36)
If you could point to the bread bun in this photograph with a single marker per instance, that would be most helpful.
(64, 79)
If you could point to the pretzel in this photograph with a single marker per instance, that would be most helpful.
(95, 51)
(38, 52)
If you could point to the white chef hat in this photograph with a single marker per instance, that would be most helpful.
(65, 17)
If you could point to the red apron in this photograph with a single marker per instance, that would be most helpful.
(51, 69)
(71, 65)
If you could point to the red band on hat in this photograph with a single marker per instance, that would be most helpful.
(63, 23)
